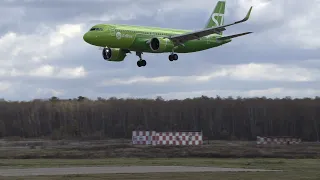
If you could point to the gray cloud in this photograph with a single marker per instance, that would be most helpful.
(274, 41)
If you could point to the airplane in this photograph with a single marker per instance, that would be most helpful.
(119, 40)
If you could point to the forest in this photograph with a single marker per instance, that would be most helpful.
(218, 118)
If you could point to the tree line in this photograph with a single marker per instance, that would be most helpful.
(218, 118)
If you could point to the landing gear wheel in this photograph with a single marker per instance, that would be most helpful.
(141, 63)
(170, 57)
(173, 57)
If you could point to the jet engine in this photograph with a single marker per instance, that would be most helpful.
(113, 54)
(161, 44)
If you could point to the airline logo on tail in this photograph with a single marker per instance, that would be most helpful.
(215, 17)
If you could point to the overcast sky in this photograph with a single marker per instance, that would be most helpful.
(42, 52)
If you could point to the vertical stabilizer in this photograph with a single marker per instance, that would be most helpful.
(217, 16)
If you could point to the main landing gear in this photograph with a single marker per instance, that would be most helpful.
(141, 62)
(173, 57)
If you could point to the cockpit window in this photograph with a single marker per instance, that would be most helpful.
(96, 29)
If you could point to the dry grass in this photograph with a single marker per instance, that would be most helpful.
(114, 148)
(302, 169)
(271, 163)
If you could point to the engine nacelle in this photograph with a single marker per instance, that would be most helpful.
(161, 44)
(113, 54)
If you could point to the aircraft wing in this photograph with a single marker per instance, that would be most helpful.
(180, 39)
(233, 36)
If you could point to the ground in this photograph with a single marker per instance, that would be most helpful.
(293, 169)
(303, 162)
(122, 148)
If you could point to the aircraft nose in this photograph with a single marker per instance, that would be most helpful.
(86, 37)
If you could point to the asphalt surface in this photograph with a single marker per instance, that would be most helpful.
(117, 169)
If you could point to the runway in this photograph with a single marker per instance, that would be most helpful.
(118, 169)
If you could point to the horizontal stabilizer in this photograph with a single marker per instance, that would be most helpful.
(233, 36)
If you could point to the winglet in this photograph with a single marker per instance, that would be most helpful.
(246, 18)
(248, 14)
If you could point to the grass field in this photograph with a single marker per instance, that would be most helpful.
(227, 162)
(293, 169)
(122, 148)
(303, 164)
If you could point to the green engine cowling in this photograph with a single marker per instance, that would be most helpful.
(113, 54)
(161, 44)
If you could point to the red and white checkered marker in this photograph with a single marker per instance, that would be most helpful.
(166, 138)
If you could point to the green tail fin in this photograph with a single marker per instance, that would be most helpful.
(217, 16)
